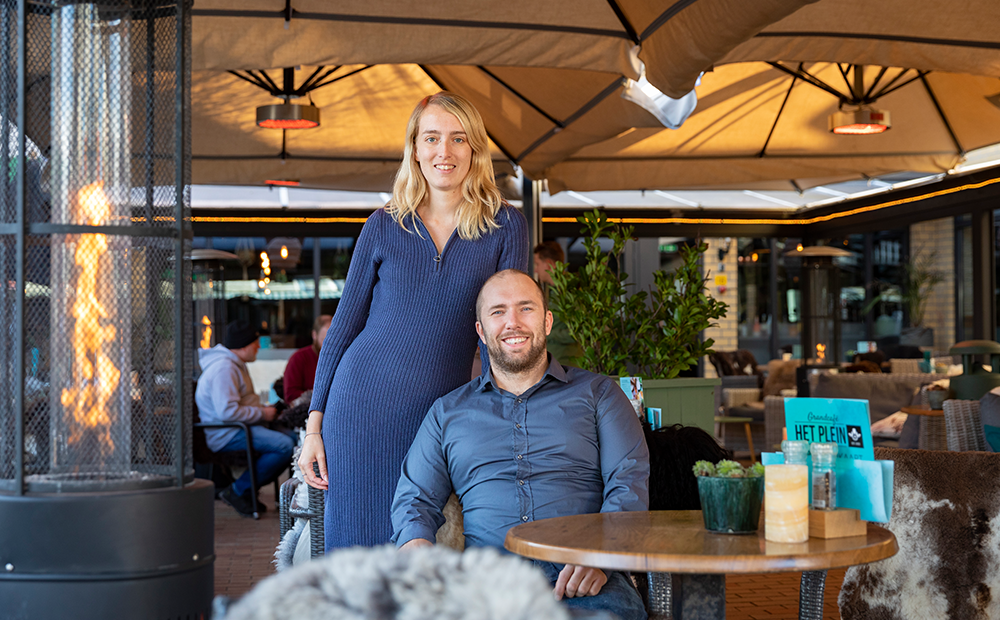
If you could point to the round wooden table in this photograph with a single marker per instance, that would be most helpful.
(676, 542)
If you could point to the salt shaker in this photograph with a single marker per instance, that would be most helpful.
(824, 479)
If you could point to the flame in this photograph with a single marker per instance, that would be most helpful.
(206, 333)
(821, 352)
(94, 375)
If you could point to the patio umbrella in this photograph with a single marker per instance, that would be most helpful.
(677, 39)
(759, 126)
(534, 116)
(956, 37)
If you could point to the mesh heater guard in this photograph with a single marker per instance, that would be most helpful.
(95, 248)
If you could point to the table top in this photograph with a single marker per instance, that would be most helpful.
(934, 413)
(677, 542)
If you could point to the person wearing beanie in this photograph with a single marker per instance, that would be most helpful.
(225, 393)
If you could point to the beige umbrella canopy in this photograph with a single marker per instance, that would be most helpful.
(961, 36)
(758, 126)
(535, 117)
(678, 39)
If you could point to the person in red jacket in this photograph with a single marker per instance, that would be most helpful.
(301, 369)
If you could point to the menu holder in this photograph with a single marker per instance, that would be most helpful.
(836, 523)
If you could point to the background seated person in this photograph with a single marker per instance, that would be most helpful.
(530, 439)
(225, 394)
(559, 343)
(301, 369)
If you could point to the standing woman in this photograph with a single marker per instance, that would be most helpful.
(404, 332)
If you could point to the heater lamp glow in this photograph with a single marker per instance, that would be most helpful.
(283, 182)
(860, 122)
(287, 116)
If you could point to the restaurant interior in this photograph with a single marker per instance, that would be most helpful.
(174, 167)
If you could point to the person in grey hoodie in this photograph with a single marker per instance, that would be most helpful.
(225, 394)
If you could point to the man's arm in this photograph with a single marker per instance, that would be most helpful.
(225, 394)
(424, 486)
(293, 381)
(624, 455)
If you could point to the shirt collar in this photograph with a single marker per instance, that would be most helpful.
(555, 370)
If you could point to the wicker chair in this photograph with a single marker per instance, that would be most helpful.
(964, 429)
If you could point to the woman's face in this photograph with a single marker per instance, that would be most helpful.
(442, 150)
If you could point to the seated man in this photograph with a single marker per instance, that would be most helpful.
(225, 394)
(531, 439)
(301, 369)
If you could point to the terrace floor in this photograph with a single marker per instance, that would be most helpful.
(244, 549)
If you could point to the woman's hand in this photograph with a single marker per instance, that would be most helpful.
(314, 452)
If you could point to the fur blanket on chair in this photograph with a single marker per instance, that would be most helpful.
(381, 583)
(946, 518)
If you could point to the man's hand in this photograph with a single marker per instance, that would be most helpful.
(269, 413)
(575, 581)
(313, 451)
(416, 543)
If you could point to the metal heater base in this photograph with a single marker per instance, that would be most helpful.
(134, 554)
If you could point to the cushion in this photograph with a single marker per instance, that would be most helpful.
(946, 518)
(989, 414)
(884, 397)
(780, 376)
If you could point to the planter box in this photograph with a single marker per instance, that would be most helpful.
(687, 401)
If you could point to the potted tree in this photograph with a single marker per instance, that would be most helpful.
(919, 279)
(655, 334)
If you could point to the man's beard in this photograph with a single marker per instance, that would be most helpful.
(511, 365)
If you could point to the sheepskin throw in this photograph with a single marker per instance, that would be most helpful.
(382, 583)
(945, 518)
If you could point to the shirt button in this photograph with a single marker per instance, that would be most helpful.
(521, 482)
(524, 518)
(519, 457)
(517, 425)
(518, 400)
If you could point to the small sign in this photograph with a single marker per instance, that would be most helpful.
(721, 280)
(668, 248)
(841, 420)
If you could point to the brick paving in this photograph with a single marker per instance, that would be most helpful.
(244, 551)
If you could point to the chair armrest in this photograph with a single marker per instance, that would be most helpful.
(242, 425)
(735, 397)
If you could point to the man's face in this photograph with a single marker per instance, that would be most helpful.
(320, 336)
(249, 352)
(542, 266)
(513, 323)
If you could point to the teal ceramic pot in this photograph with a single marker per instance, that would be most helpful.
(731, 505)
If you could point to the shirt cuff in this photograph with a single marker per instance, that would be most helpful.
(413, 531)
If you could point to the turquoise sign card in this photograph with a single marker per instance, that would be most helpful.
(841, 420)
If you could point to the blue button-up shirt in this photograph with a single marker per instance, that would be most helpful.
(571, 444)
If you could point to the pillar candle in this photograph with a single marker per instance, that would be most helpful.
(786, 503)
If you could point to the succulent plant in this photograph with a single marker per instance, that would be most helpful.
(727, 469)
(703, 468)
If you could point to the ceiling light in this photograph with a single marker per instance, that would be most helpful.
(287, 116)
(861, 121)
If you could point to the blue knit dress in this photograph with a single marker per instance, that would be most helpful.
(403, 335)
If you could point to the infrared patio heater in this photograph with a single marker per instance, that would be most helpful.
(100, 515)
(820, 311)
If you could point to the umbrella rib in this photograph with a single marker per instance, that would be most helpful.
(895, 79)
(414, 21)
(875, 37)
(601, 96)
(304, 87)
(664, 17)
(516, 93)
(809, 79)
(253, 79)
(885, 91)
(507, 154)
(847, 81)
(777, 117)
(944, 119)
(340, 77)
(878, 78)
(268, 79)
(620, 14)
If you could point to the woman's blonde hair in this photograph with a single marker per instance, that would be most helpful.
(477, 214)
